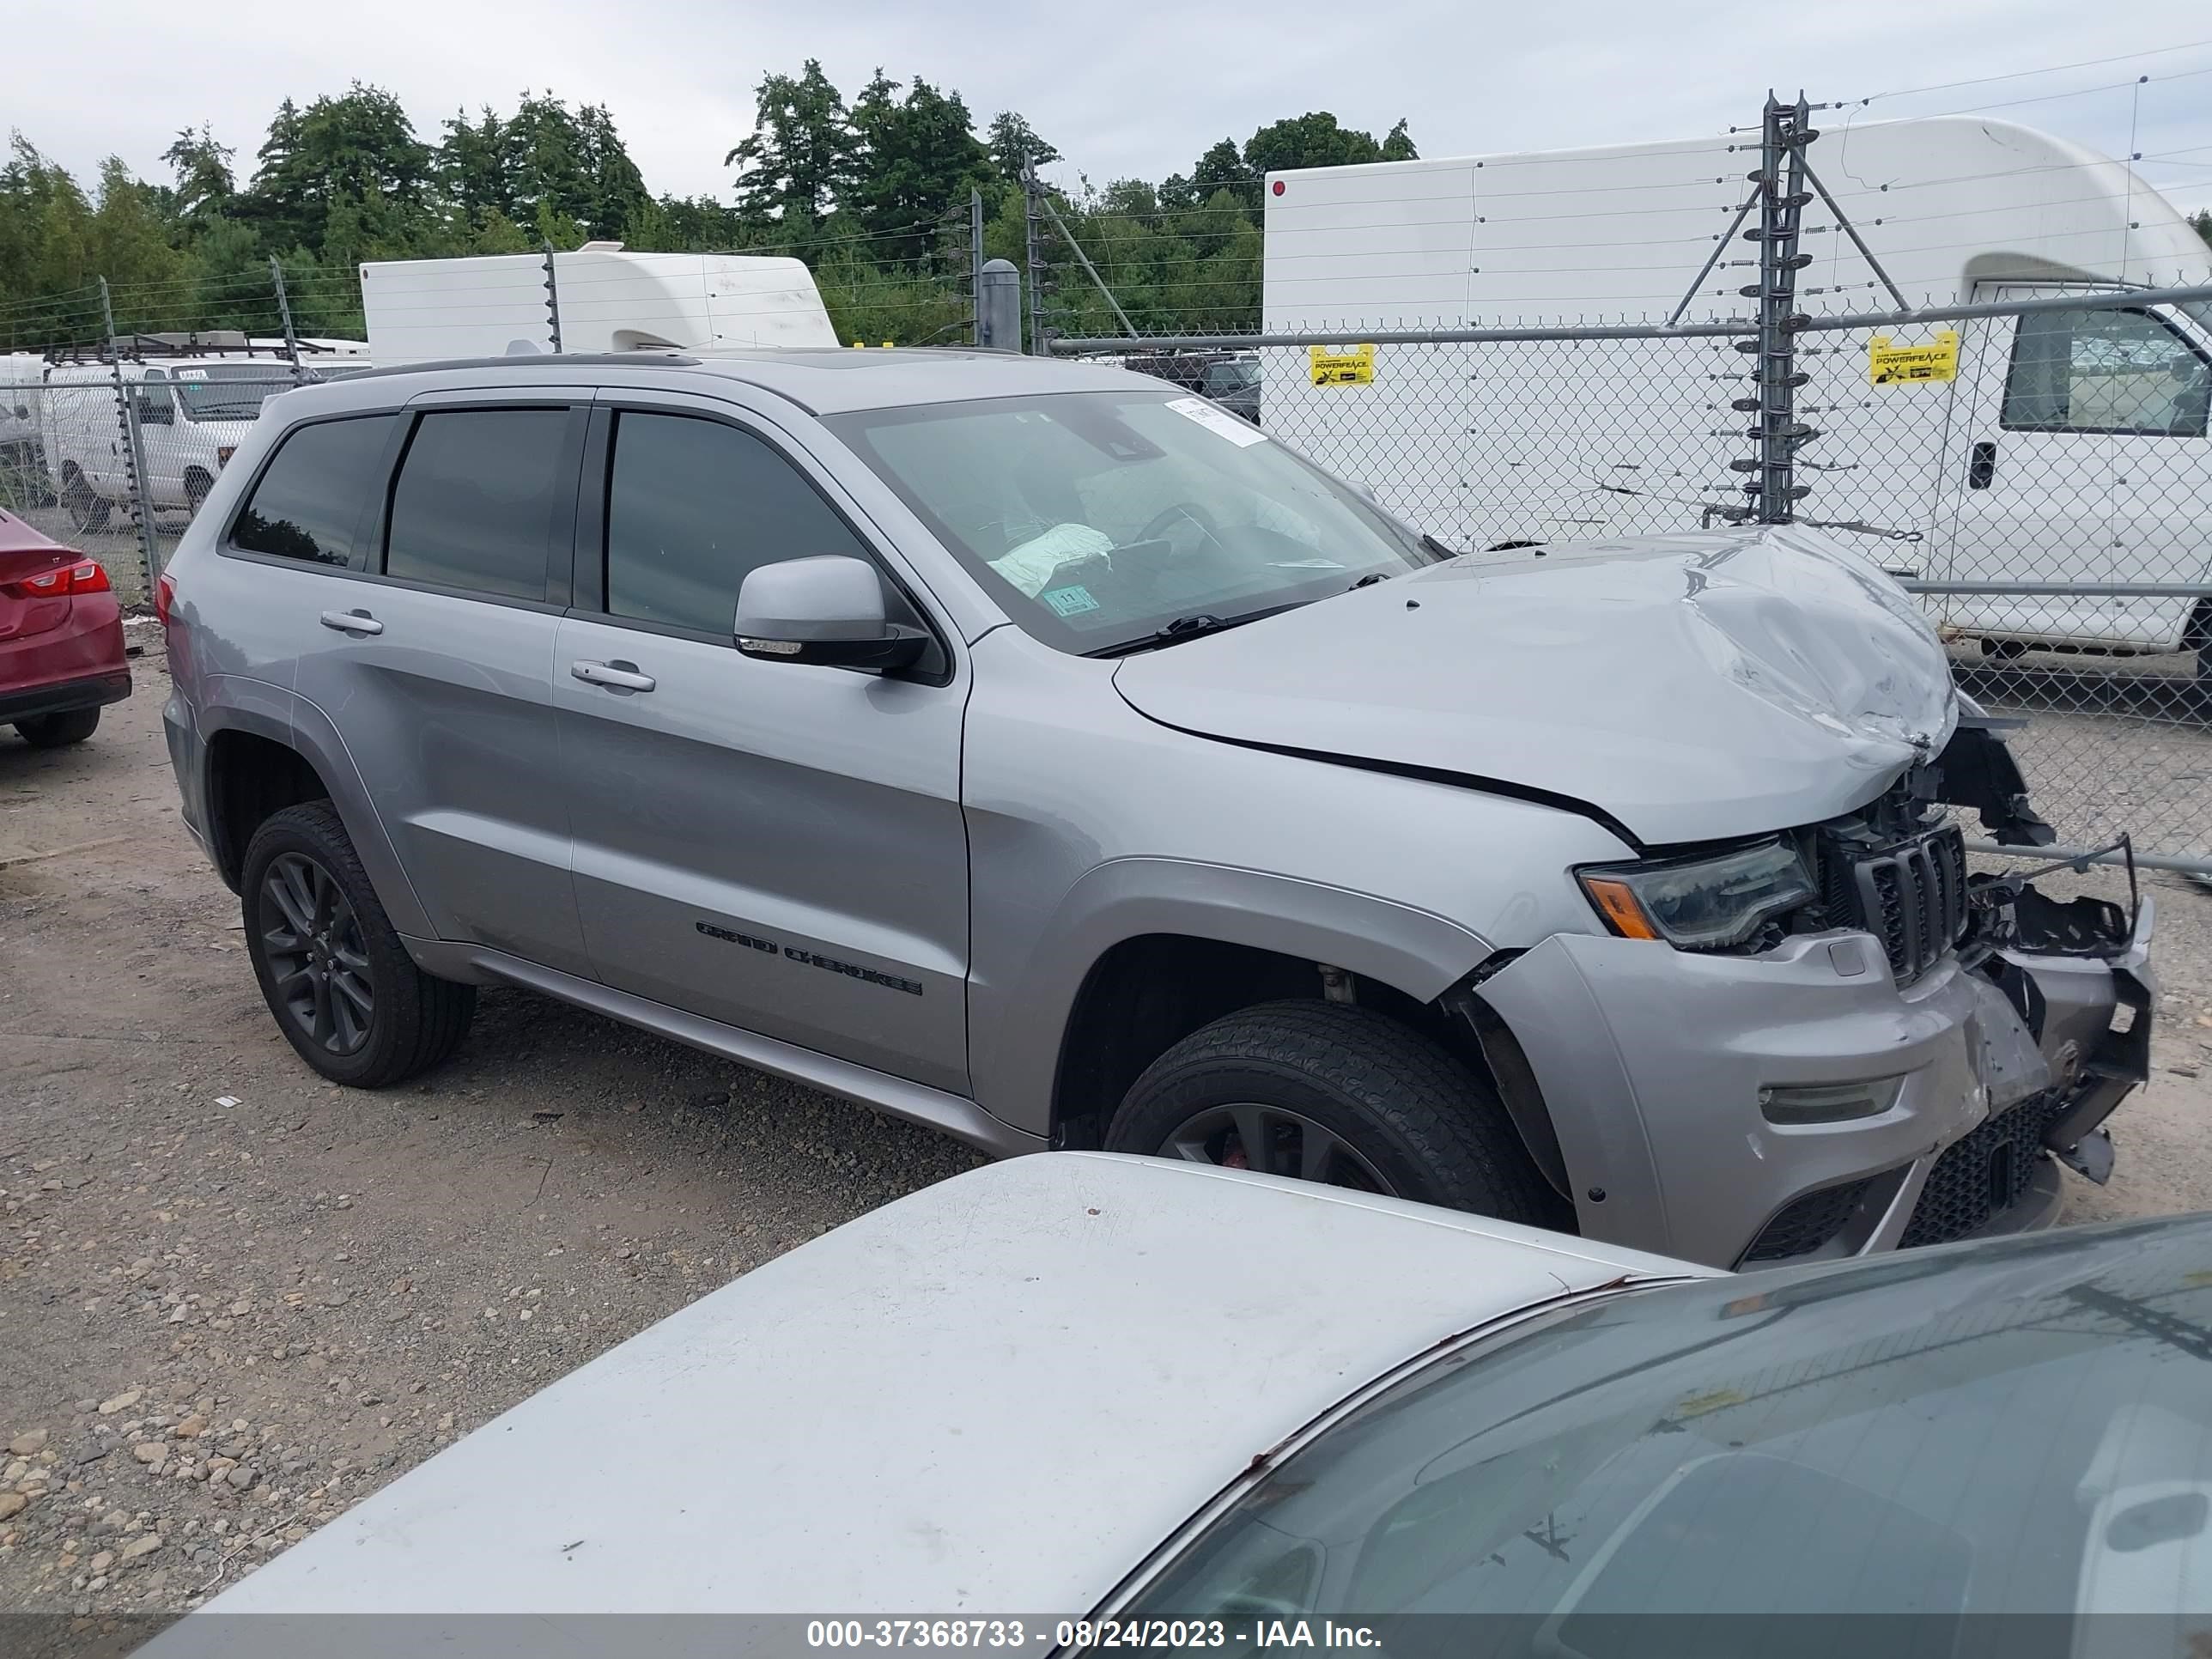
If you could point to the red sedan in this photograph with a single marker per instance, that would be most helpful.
(61, 638)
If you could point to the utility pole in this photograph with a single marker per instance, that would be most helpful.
(1781, 196)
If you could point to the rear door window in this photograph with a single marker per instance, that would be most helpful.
(309, 502)
(475, 500)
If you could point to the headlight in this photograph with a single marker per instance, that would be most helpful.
(1699, 902)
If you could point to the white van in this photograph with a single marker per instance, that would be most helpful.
(431, 310)
(2071, 447)
(192, 412)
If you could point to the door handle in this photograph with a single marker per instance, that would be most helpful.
(1981, 465)
(615, 675)
(352, 621)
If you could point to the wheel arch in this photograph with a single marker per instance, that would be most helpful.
(265, 755)
(1142, 951)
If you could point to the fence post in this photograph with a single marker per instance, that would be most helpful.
(999, 306)
(1780, 180)
(552, 297)
(1040, 336)
(284, 316)
(133, 449)
(976, 265)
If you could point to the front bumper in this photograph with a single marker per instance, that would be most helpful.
(1650, 1062)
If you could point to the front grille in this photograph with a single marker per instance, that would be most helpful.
(1808, 1223)
(1985, 1173)
(1913, 898)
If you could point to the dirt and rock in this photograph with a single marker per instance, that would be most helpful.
(234, 1299)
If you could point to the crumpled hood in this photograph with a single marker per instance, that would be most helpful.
(1692, 686)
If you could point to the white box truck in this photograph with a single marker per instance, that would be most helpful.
(610, 300)
(2071, 446)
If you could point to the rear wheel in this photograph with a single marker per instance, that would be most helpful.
(335, 973)
(58, 731)
(196, 485)
(87, 509)
(1340, 1094)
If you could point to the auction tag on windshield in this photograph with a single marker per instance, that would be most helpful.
(1218, 421)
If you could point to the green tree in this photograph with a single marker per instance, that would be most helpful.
(354, 158)
(204, 184)
(918, 156)
(1013, 144)
(799, 160)
(1315, 140)
(2203, 223)
(1399, 145)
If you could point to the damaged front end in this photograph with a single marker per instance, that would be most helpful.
(1891, 1052)
(2075, 971)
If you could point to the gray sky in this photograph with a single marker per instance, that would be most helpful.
(1140, 87)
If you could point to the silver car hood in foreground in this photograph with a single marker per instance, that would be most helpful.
(996, 1395)
(1692, 686)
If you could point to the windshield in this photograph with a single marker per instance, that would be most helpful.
(230, 391)
(1231, 376)
(1099, 517)
(2024, 1430)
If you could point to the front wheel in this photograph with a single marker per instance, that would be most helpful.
(334, 971)
(1342, 1095)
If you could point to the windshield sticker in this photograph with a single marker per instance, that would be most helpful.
(191, 374)
(1070, 601)
(1218, 421)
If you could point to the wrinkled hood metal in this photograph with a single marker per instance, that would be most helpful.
(995, 1395)
(1691, 687)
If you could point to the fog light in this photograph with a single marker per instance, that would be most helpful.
(1828, 1103)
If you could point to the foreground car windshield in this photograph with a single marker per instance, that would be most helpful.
(2026, 1430)
(1099, 517)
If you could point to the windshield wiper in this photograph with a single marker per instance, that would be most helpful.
(1186, 628)
(1371, 578)
(1436, 547)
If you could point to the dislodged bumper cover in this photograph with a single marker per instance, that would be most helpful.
(1651, 1062)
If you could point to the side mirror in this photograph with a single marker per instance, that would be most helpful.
(829, 611)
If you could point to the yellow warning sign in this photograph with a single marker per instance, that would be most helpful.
(1897, 365)
(1353, 367)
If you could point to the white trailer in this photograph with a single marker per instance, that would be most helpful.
(609, 300)
(2071, 446)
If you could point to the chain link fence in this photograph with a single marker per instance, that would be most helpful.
(2039, 469)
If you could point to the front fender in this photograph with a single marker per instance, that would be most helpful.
(1020, 1025)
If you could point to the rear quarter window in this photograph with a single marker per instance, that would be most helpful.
(309, 501)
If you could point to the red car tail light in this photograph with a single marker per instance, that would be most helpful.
(165, 595)
(84, 577)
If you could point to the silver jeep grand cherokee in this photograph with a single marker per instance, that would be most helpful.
(1037, 751)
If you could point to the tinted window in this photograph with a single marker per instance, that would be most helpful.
(2105, 371)
(692, 506)
(475, 502)
(308, 503)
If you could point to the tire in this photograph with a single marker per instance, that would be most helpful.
(58, 731)
(88, 511)
(1418, 1123)
(301, 868)
(196, 485)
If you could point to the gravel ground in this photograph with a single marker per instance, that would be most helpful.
(233, 1300)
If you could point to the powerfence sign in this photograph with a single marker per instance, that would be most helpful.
(1897, 365)
(1353, 367)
